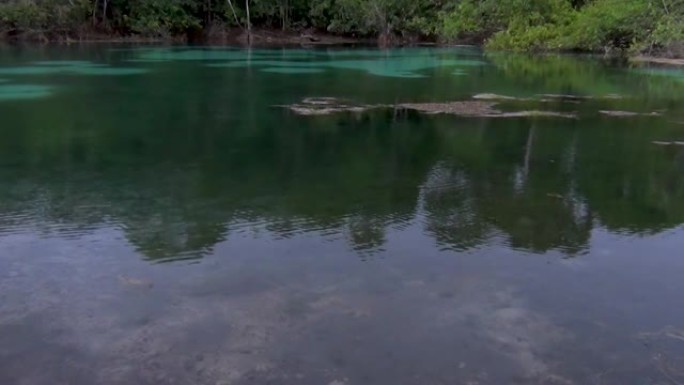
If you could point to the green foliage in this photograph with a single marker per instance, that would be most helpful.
(602, 25)
(667, 35)
(626, 26)
(377, 17)
(597, 25)
(21, 16)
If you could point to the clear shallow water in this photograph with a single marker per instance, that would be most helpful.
(161, 222)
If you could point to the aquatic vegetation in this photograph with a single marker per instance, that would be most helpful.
(23, 91)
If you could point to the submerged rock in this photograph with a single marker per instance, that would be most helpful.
(479, 109)
(464, 108)
(136, 282)
(468, 108)
(325, 106)
(579, 98)
(564, 97)
(487, 96)
(662, 143)
(539, 113)
(628, 114)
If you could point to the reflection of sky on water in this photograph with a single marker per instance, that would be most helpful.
(176, 228)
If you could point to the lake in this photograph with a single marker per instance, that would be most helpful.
(209, 215)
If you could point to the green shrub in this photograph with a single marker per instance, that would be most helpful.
(610, 24)
(594, 25)
(22, 16)
(514, 24)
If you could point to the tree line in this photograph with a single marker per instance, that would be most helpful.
(656, 26)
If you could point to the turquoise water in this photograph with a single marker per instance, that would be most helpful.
(165, 218)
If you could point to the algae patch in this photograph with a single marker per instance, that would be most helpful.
(70, 68)
(395, 67)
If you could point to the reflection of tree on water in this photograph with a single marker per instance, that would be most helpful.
(367, 234)
(511, 188)
(450, 211)
(541, 187)
(162, 238)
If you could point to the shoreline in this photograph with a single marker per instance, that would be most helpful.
(261, 38)
(231, 36)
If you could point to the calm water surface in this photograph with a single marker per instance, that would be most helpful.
(163, 221)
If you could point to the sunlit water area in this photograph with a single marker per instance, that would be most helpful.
(427, 216)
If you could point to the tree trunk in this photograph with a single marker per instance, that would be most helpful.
(95, 3)
(104, 11)
(230, 4)
(284, 14)
(249, 24)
